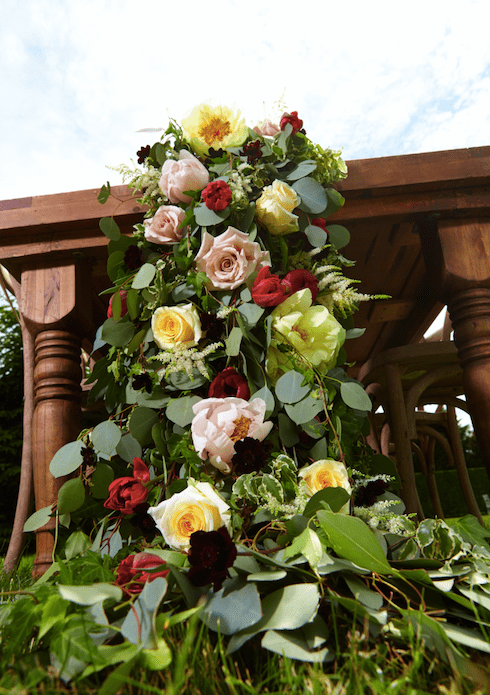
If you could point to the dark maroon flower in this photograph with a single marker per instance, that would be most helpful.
(250, 455)
(124, 307)
(215, 154)
(268, 290)
(143, 154)
(297, 280)
(212, 326)
(142, 381)
(132, 257)
(210, 555)
(229, 383)
(252, 151)
(367, 495)
(320, 222)
(126, 495)
(217, 195)
(292, 118)
(131, 574)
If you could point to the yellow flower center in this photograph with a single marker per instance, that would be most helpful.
(242, 426)
(215, 128)
(174, 327)
(329, 479)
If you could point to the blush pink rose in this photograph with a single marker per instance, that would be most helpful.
(165, 227)
(185, 174)
(229, 258)
(220, 422)
(267, 128)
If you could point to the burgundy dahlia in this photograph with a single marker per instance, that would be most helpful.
(210, 555)
(250, 455)
(252, 151)
(143, 153)
(132, 257)
(367, 495)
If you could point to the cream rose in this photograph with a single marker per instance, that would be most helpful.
(185, 174)
(174, 326)
(229, 258)
(274, 208)
(326, 473)
(197, 508)
(220, 422)
(313, 331)
(166, 225)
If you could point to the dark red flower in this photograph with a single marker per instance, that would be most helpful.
(320, 222)
(142, 381)
(124, 307)
(212, 326)
(250, 455)
(292, 118)
(211, 554)
(229, 383)
(367, 495)
(297, 280)
(268, 290)
(143, 154)
(126, 495)
(132, 257)
(252, 151)
(131, 574)
(217, 195)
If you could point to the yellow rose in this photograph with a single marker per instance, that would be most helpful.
(326, 473)
(274, 208)
(214, 126)
(197, 508)
(176, 326)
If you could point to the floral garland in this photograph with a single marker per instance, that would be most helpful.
(232, 476)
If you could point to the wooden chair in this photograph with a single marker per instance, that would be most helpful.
(402, 380)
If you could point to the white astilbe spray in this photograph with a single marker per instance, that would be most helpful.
(187, 360)
(379, 516)
(146, 180)
(336, 291)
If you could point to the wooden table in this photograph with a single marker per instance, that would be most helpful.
(420, 227)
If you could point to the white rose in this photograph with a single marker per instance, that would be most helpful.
(326, 473)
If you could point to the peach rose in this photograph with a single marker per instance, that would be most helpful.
(229, 258)
(266, 128)
(326, 473)
(174, 326)
(220, 422)
(165, 227)
(185, 174)
(197, 508)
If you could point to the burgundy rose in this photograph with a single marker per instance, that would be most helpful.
(268, 290)
(229, 383)
(250, 455)
(217, 195)
(131, 574)
(211, 554)
(132, 257)
(297, 280)
(124, 308)
(292, 118)
(320, 222)
(127, 494)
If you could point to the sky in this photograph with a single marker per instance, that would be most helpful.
(79, 78)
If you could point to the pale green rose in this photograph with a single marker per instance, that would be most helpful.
(274, 208)
(313, 332)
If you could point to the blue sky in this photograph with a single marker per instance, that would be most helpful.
(79, 78)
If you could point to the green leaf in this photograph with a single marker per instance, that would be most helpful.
(250, 313)
(233, 610)
(110, 228)
(208, 218)
(38, 519)
(338, 236)
(303, 169)
(471, 531)
(136, 342)
(106, 436)
(90, 595)
(132, 303)
(289, 387)
(335, 497)
(293, 645)
(288, 432)
(139, 624)
(158, 658)
(140, 424)
(354, 395)
(335, 201)
(369, 598)
(313, 197)
(352, 539)
(77, 544)
(180, 411)
(233, 342)
(53, 612)
(114, 262)
(67, 459)
(144, 276)
(305, 410)
(117, 333)
(71, 496)
(316, 235)
(129, 448)
(104, 193)
(266, 395)
(307, 544)
(100, 480)
(272, 576)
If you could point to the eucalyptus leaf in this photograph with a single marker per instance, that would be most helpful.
(233, 342)
(71, 496)
(106, 436)
(289, 387)
(303, 169)
(180, 410)
(293, 645)
(338, 236)
(182, 292)
(114, 262)
(313, 197)
(288, 432)
(90, 595)
(304, 410)
(266, 395)
(316, 235)
(110, 228)
(67, 459)
(354, 395)
(208, 218)
(250, 313)
(128, 448)
(117, 333)
(140, 424)
(144, 276)
(139, 624)
(232, 610)
(38, 519)
(100, 480)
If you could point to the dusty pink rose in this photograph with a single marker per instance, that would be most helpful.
(185, 174)
(165, 226)
(220, 422)
(267, 128)
(229, 258)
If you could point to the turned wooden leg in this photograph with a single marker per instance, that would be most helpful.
(56, 421)
(470, 316)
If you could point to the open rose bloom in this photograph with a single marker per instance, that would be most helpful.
(326, 473)
(220, 422)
